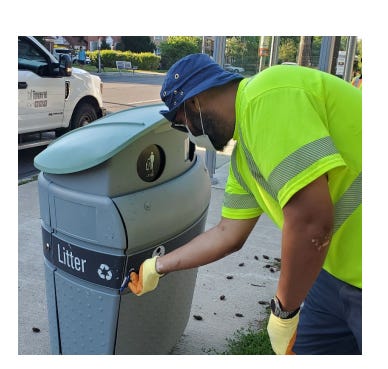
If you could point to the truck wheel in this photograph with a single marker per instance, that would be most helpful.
(61, 131)
(84, 115)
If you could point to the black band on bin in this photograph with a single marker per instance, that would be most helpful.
(96, 267)
(106, 269)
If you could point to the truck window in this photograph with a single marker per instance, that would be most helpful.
(31, 58)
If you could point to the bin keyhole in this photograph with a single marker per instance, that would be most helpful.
(159, 251)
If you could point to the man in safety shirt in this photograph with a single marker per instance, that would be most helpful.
(297, 158)
(357, 81)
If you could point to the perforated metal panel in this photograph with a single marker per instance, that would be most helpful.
(87, 316)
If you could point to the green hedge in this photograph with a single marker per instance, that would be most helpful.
(144, 61)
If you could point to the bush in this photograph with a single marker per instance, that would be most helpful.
(176, 47)
(144, 61)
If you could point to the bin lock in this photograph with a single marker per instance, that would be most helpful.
(158, 251)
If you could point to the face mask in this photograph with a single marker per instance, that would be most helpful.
(202, 140)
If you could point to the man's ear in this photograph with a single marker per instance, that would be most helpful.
(193, 104)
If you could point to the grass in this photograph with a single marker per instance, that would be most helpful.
(248, 341)
(27, 180)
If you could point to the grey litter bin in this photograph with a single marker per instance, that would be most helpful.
(112, 194)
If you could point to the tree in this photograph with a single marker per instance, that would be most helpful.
(76, 41)
(288, 49)
(137, 44)
(316, 50)
(104, 44)
(359, 54)
(176, 47)
(359, 47)
(305, 51)
(242, 51)
(235, 49)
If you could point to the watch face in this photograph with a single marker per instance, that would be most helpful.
(277, 310)
(273, 307)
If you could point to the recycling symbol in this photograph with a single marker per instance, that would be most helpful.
(104, 272)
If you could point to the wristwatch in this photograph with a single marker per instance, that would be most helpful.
(278, 311)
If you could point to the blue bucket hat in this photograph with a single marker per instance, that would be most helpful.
(190, 76)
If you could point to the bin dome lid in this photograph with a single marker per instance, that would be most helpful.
(88, 146)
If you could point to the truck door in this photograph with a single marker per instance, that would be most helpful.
(41, 91)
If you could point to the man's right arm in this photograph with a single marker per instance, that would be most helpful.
(214, 244)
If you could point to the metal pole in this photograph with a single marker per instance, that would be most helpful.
(260, 52)
(336, 49)
(350, 53)
(219, 49)
(273, 59)
(219, 56)
(326, 54)
(263, 51)
(99, 55)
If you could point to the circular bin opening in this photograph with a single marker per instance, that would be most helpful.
(151, 163)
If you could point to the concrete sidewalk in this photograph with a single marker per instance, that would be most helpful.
(249, 281)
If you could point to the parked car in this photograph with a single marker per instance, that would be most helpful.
(232, 68)
(53, 96)
(75, 59)
(58, 51)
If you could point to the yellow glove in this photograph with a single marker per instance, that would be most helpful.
(147, 280)
(282, 333)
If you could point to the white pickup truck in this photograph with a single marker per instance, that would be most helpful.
(53, 96)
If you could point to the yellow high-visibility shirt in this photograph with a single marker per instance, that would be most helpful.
(357, 82)
(294, 124)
